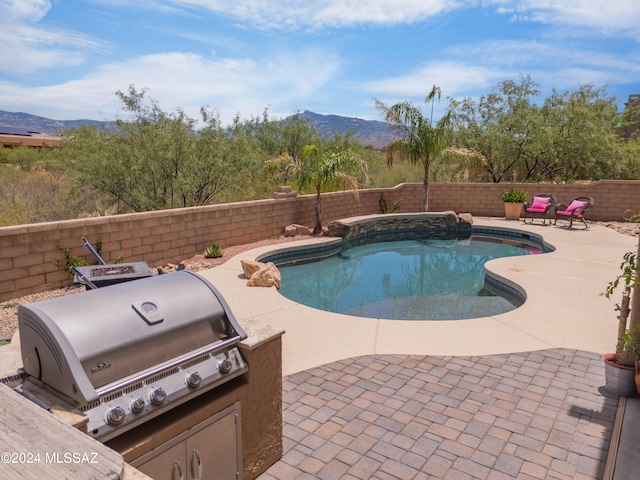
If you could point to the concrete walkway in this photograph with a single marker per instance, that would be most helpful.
(516, 395)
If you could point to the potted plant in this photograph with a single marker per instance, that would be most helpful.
(622, 369)
(513, 198)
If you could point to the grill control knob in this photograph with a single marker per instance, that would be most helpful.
(194, 380)
(158, 396)
(115, 416)
(225, 365)
(137, 405)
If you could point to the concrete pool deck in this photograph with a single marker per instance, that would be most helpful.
(518, 395)
(564, 306)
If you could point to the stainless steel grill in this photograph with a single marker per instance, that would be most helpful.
(126, 353)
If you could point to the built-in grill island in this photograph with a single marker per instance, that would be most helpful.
(127, 352)
(136, 356)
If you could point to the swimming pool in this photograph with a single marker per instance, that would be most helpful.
(402, 276)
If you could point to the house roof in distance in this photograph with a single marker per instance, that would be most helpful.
(11, 136)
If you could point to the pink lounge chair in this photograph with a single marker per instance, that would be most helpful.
(539, 206)
(576, 209)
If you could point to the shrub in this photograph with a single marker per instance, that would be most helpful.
(70, 261)
(514, 195)
(385, 208)
(213, 251)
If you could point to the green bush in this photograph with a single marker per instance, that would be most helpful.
(70, 261)
(514, 195)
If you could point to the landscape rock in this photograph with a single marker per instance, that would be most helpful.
(338, 229)
(451, 219)
(295, 229)
(465, 217)
(261, 274)
(250, 267)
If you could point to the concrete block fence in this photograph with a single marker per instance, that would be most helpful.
(27, 251)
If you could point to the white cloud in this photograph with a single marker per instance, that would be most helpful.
(614, 18)
(550, 56)
(452, 77)
(294, 14)
(26, 47)
(474, 69)
(12, 11)
(179, 80)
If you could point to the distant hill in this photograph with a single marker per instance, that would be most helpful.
(41, 124)
(367, 132)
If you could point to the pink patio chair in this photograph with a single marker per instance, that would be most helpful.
(576, 209)
(539, 206)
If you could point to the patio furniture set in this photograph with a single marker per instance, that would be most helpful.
(545, 205)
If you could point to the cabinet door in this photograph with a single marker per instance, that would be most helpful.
(169, 465)
(213, 452)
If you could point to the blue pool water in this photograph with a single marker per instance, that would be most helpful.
(424, 279)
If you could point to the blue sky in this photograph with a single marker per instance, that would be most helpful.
(65, 59)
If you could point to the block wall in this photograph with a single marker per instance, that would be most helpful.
(27, 251)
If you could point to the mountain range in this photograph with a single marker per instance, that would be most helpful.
(41, 124)
(367, 132)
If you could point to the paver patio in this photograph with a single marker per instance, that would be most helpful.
(536, 415)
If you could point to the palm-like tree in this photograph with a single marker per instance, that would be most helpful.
(331, 170)
(418, 139)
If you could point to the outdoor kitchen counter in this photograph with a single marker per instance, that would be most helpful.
(35, 445)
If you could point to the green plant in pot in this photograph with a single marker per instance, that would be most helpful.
(626, 359)
(513, 198)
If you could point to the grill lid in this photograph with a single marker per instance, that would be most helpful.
(88, 344)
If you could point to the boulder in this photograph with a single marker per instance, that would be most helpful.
(250, 267)
(261, 274)
(451, 219)
(338, 229)
(303, 230)
(290, 231)
(465, 217)
(295, 229)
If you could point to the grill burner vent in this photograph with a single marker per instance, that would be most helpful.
(162, 375)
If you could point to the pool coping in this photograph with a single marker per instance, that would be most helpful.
(564, 306)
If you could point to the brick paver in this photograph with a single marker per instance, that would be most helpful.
(523, 415)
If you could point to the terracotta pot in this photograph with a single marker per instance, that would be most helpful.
(512, 211)
(619, 379)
